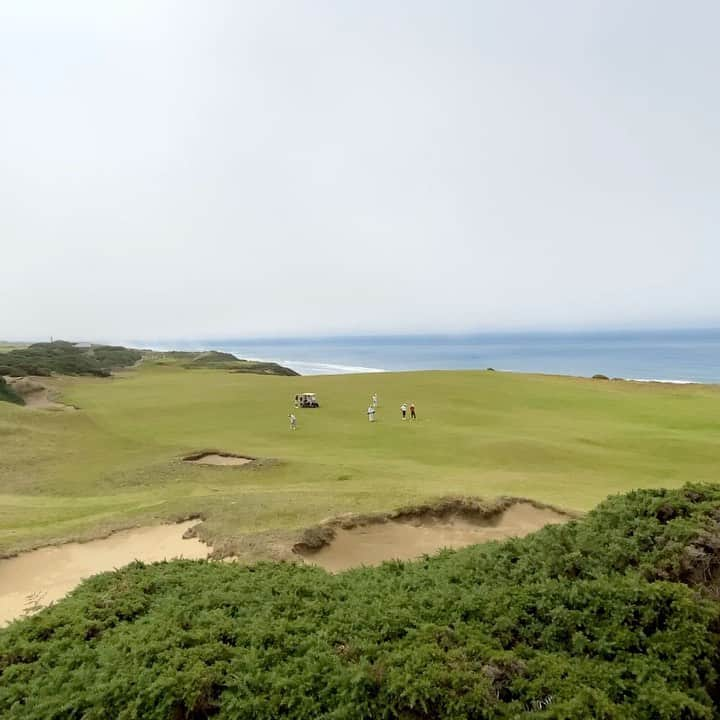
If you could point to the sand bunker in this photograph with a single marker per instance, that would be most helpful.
(40, 399)
(217, 459)
(35, 394)
(35, 579)
(405, 540)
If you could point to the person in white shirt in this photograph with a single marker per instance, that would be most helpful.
(293, 421)
(371, 413)
(403, 410)
(374, 400)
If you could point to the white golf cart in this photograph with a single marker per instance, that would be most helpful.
(306, 400)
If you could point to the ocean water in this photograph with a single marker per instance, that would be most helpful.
(677, 355)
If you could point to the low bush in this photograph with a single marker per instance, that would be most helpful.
(598, 618)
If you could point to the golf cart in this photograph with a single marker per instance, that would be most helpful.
(306, 400)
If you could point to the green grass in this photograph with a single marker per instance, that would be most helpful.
(565, 441)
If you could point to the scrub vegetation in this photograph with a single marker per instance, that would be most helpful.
(612, 616)
(8, 346)
(67, 359)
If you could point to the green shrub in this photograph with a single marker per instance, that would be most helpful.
(588, 619)
(67, 359)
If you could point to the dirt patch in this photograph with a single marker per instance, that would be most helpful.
(217, 458)
(409, 533)
(34, 579)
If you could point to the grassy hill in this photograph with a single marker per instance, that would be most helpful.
(65, 358)
(215, 360)
(116, 462)
(612, 616)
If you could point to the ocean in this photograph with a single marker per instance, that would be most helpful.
(669, 356)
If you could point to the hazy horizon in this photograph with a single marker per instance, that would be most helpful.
(174, 170)
(606, 332)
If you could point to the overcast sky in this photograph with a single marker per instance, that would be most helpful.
(226, 168)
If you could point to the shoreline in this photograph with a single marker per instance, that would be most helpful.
(320, 368)
(408, 362)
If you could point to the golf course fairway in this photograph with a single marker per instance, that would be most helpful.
(116, 462)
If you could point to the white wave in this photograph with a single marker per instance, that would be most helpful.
(313, 368)
(305, 367)
(671, 382)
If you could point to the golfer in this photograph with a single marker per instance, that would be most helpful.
(412, 412)
(371, 413)
(374, 400)
(293, 421)
(403, 410)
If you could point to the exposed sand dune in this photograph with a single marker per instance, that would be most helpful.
(38, 578)
(405, 540)
(35, 394)
(41, 399)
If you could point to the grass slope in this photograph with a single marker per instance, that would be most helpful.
(213, 359)
(569, 442)
(614, 616)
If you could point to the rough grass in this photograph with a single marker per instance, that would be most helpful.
(117, 462)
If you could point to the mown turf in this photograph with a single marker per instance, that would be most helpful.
(565, 441)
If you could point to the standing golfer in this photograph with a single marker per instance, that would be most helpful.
(374, 400)
(371, 413)
(403, 410)
(412, 411)
(293, 421)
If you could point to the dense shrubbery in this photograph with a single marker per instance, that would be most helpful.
(67, 359)
(613, 616)
(8, 394)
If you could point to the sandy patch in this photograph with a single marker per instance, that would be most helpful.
(407, 540)
(41, 399)
(35, 394)
(217, 459)
(40, 577)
